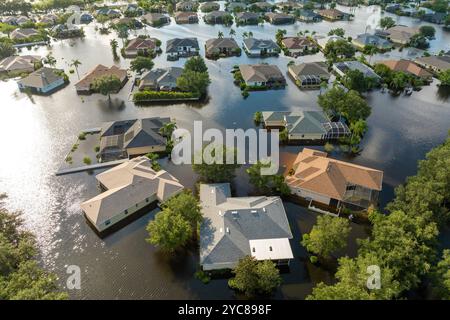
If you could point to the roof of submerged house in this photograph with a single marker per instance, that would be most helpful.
(316, 172)
(236, 227)
(259, 72)
(406, 66)
(42, 78)
(259, 44)
(128, 184)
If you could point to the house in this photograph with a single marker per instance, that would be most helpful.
(11, 20)
(19, 64)
(341, 69)
(264, 75)
(400, 34)
(309, 75)
(260, 47)
(408, 67)
(160, 79)
(189, 6)
(288, 6)
(247, 18)
(43, 81)
(392, 7)
(62, 31)
(435, 63)
(86, 18)
(23, 20)
(133, 10)
(297, 46)
(308, 16)
(435, 17)
(155, 19)
(209, 6)
(322, 42)
(185, 17)
(110, 13)
(182, 47)
(332, 14)
(279, 18)
(305, 126)
(235, 6)
(128, 189)
(20, 34)
(332, 182)
(235, 227)
(130, 138)
(218, 17)
(221, 47)
(49, 19)
(84, 85)
(261, 6)
(140, 45)
(130, 23)
(367, 39)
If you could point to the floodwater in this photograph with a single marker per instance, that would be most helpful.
(38, 132)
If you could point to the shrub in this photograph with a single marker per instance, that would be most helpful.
(97, 148)
(313, 259)
(162, 95)
(202, 276)
(87, 160)
(82, 136)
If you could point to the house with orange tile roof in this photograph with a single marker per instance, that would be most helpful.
(84, 85)
(408, 67)
(335, 183)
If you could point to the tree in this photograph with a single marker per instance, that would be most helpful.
(141, 63)
(168, 230)
(355, 80)
(6, 50)
(327, 236)
(427, 31)
(232, 32)
(254, 277)
(106, 85)
(196, 63)
(191, 81)
(338, 32)
(220, 35)
(339, 48)
(280, 35)
(419, 41)
(444, 77)
(186, 205)
(50, 60)
(20, 275)
(441, 276)
(274, 184)
(76, 63)
(387, 22)
(123, 32)
(218, 171)
(114, 46)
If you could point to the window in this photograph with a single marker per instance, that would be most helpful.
(253, 249)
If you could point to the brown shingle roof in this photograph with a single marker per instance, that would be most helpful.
(99, 71)
(406, 66)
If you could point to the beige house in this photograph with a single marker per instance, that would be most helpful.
(435, 63)
(84, 85)
(401, 34)
(333, 182)
(19, 64)
(128, 188)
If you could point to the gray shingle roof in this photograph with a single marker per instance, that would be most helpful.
(259, 44)
(42, 78)
(230, 223)
(173, 44)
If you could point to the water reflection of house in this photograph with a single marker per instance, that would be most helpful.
(332, 182)
(245, 226)
(305, 126)
(128, 188)
(130, 138)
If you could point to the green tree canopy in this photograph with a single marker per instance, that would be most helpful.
(328, 235)
(141, 63)
(254, 277)
(387, 22)
(106, 85)
(218, 171)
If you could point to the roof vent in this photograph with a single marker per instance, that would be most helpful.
(253, 249)
(254, 211)
(212, 190)
(220, 213)
(228, 230)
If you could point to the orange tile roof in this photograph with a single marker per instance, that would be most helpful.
(406, 66)
(315, 172)
(97, 72)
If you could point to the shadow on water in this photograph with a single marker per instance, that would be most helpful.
(443, 93)
(116, 104)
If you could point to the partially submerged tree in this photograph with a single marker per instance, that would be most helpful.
(106, 85)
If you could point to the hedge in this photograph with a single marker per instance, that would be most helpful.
(163, 95)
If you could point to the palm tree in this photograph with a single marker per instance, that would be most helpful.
(324, 86)
(123, 34)
(250, 34)
(76, 63)
(50, 60)
(244, 34)
(220, 35)
(114, 46)
(232, 32)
